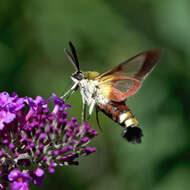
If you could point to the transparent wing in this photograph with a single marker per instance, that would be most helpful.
(125, 80)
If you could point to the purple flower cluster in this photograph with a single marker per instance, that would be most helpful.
(33, 136)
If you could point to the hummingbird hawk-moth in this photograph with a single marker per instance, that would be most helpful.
(107, 92)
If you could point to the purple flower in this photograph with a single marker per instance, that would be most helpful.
(5, 118)
(33, 136)
(19, 186)
(8, 108)
(20, 180)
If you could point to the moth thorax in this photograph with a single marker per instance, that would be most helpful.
(90, 75)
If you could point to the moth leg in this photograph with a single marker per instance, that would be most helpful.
(91, 109)
(83, 111)
(83, 115)
(73, 88)
(71, 93)
(97, 119)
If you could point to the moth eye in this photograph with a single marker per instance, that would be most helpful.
(78, 76)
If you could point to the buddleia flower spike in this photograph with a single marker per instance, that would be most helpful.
(34, 136)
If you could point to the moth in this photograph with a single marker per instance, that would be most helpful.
(107, 92)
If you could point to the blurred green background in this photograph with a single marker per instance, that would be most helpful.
(33, 35)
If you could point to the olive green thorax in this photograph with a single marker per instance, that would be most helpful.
(90, 75)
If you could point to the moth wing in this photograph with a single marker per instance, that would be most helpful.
(125, 79)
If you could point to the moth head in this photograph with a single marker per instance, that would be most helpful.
(77, 76)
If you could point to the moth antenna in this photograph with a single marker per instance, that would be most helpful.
(71, 59)
(73, 50)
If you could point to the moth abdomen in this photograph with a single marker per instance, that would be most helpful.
(133, 134)
(121, 114)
